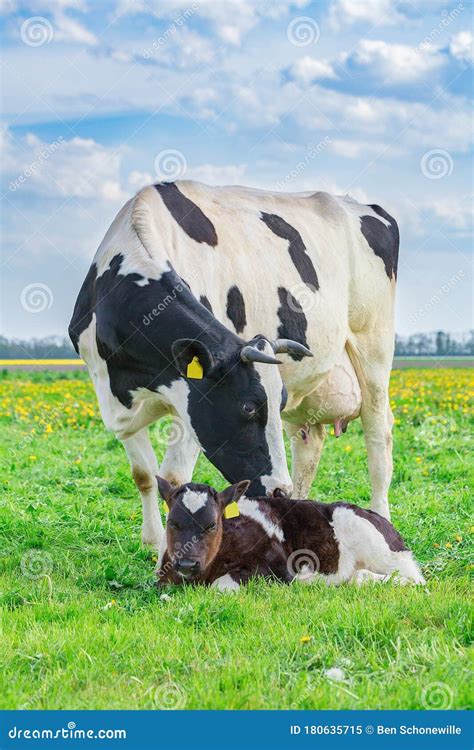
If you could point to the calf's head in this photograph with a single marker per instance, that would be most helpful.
(234, 409)
(194, 524)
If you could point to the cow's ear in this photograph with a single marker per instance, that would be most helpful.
(165, 488)
(192, 358)
(231, 494)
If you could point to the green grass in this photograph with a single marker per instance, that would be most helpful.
(93, 631)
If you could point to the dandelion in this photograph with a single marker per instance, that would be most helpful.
(335, 674)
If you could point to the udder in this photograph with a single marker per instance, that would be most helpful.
(337, 399)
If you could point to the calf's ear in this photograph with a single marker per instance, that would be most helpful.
(188, 352)
(165, 488)
(231, 494)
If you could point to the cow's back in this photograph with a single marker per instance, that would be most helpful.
(287, 265)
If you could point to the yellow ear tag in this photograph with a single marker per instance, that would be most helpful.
(232, 510)
(195, 369)
(166, 506)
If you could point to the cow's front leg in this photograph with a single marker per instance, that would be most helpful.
(180, 457)
(306, 448)
(144, 470)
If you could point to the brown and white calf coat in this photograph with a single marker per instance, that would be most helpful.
(275, 537)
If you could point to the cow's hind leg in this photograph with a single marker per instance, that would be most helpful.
(306, 448)
(144, 470)
(373, 364)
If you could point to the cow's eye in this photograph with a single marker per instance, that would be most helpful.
(211, 527)
(249, 409)
(173, 525)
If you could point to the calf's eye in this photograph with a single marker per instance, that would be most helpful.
(211, 527)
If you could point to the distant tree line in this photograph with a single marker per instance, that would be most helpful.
(438, 343)
(52, 347)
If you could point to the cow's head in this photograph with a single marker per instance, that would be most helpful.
(234, 409)
(194, 524)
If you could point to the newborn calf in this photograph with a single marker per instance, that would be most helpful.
(275, 537)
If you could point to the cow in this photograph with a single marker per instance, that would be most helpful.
(153, 349)
(276, 538)
(313, 267)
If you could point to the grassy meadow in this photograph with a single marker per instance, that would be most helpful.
(82, 625)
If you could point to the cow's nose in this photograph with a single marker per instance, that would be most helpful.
(187, 566)
(285, 488)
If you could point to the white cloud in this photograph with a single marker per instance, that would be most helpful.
(396, 63)
(461, 46)
(354, 149)
(230, 174)
(454, 210)
(309, 69)
(373, 12)
(230, 20)
(409, 125)
(79, 168)
(65, 27)
(138, 180)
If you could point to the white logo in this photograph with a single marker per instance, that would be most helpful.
(436, 164)
(36, 297)
(170, 164)
(36, 31)
(302, 31)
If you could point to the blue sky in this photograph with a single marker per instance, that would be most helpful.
(367, 97)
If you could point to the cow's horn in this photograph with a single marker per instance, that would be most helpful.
(285, 346)
(252, 354)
